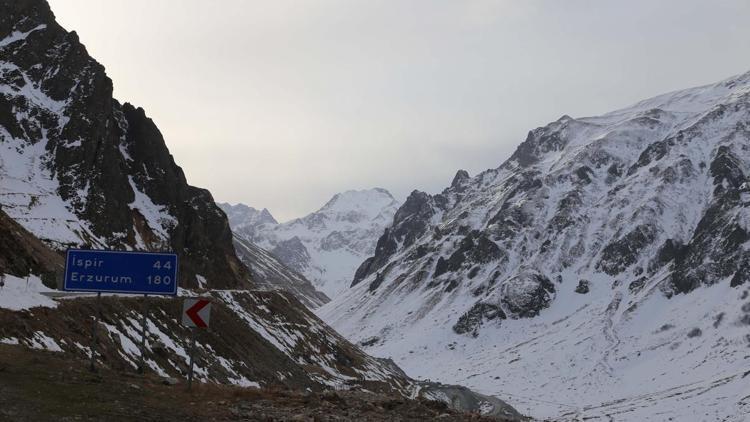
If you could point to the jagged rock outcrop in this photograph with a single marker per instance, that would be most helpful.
(410, 222)
(583, 287)
(23, 254)
(79, 169)
(470, 321)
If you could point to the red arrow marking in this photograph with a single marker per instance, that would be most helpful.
(192, 313)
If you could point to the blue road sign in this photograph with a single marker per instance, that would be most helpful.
(121, 272)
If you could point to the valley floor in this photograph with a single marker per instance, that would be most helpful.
(46, 386)
(638, 357)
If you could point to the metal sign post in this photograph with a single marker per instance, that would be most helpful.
(192, 358)
(92, 363)
(141, 367)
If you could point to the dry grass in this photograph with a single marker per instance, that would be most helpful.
(45, 386)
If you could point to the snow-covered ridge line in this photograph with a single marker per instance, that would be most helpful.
(608, 254)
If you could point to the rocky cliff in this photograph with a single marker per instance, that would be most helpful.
(23, 254)
(77, 168)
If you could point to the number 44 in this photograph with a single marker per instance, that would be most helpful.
(167, 265)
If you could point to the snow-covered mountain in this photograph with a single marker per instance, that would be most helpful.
(602, 270)
(244, 220)
(267, 271)
(271, 274)
(77, 168)
(327, 245)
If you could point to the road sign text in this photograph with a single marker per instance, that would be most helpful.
(121, 272)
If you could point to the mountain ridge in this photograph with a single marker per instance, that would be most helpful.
(326, 245)
(583, 238)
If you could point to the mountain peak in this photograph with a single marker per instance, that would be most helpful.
(367, 201)
(461, 176)
(245, 220)
(244, 209)
(326, 246)
(359, 194)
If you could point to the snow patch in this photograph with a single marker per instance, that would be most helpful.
(157, 216)
(18, 294)
(19, 36)
(43, 342)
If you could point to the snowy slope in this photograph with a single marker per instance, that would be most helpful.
(267, 340)
(327, 245)
(269, 273)
(24, 293)
(29, 190)
(602, 270)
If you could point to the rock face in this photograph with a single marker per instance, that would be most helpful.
(582, 287)
(325, 246)
(23, 254)
(79, 169)
(650, 205)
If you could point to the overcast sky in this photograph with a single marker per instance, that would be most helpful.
(281, 104)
